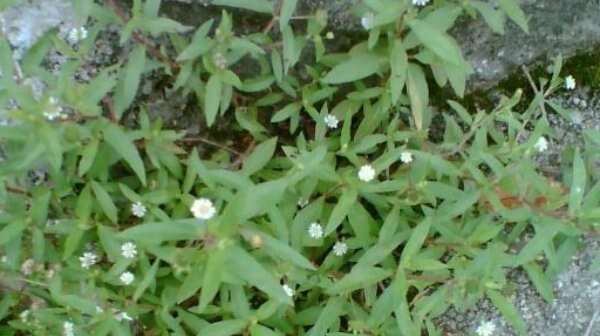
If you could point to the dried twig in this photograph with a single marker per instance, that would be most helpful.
(196, 139)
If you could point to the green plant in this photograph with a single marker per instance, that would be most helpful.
(340, 216)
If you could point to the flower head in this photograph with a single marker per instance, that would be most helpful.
(220, 60)
(340, 248)
(486, 328)
(315, 231)
(302, 202)
(329, 35)
(331, 121)
(288, 290)
(128, 250)
(203, 208)
(406, 157)
(123, 316)
(88, 259)
(127, 278)
(366, 173)
(570, 83)
(138, 209)
(53, 110)
(77, 34)
(541, 144)
(367, 20)
(68, 328)
(24, 315)
(420, 2)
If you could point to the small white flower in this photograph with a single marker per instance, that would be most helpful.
(406, 157)
(123, 316)
(68, 328)
(288, 290)
(570, 83)
(203, 208)
(329, 35)
(420, 2)
(367, 20)
(77, 34)
(138, 209)
(340, 248)
(315, 231)
(4, 259)
(99, 310)
(331, 121)
(88, 259)
(486, 328)
(127, 278)
(541, 145)
(302, 202)
(220, 60)
(24, 316)
(27, 266)
(53, 109)
(366, 173)
(129, 250)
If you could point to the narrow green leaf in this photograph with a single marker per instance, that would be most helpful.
(437, 41)
(494, 18)
(149, 278)
(262, 6)
(399, 70)
(224, 328)
(284, 252)
(354, 68)
(10, 231)
(578, 184)
(510, 313)
(540, 281)
(416, 240)
(328, 317)
(183, 229)
(512, 9)
(130, 80)
(261, 155)
(287, 10)
(212, 277)
(122, 144)
(341, 209)
(87, 157)
(418, 93)
(359, 277)
(212, 99)
(106, 203)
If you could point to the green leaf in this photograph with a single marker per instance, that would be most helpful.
(341, 209)
(262, 6)
(437, 41)
(261, 155)
(359, 277)
(416, 240)
(287, 112)
(224, 328)
(399, 70)
(328, 317)
(540, 281)
(212, 99)
(130, 80)
(10, 231)
(494, 18)
(418, 93)
(106, 203)
(212, 277)
(149, 278)
(284, 252)
(122, 144)
(245, 206)
(242, 264)
(512, 9)
(258, 330)
(578, 183)
(354, 68)
(182, 229)
(287, 10)
(87, 157)
(510, 313)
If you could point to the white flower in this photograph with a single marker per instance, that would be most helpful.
(288, 290)
(366, 173)
(331, 121)
(406, 157)
(329, 36)
(4, 259)
(68, 328)
(138, 209)
(88, 259)
(128, 250)
(203, 208)
(24, 315)
(367, 20)
(315, 231)
(541, 145)
(123, 316)
(127, 278)
(302, 202)
(53, 109)
(219, 60)
(340, 248)
(77, 34)
(27, 266)
(486, 328)
(99, 310)
(570, 83)
(420, 2)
